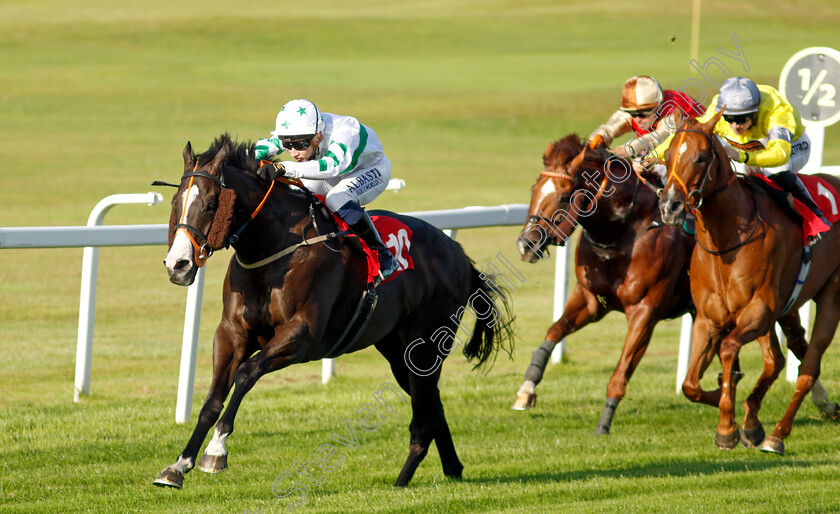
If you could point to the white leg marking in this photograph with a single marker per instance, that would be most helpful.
(216, 446)
(182, 465)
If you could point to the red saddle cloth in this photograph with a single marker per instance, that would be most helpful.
(827, 200)
(397, 237)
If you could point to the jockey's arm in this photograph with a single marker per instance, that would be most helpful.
(642, 144)
(776, 153)
(619, 123)
(266, 148)
(342, 154)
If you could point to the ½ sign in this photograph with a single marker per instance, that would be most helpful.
(810, 81)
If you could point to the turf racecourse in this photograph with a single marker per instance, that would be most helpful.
(100, 97)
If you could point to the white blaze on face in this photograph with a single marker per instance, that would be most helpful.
(547, 188)
(181, 245)
(683, 148)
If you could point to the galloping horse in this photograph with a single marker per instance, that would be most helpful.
(626, 260)
(742, 274)
(291, 290)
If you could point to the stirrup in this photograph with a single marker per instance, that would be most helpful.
(393, 266)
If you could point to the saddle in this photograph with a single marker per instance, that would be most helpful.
(812, 226)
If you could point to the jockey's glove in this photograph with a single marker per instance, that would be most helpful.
(270, 171)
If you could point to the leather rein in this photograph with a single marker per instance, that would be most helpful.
(203, 252)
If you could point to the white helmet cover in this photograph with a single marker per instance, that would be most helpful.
(297, 119)
(738, 95)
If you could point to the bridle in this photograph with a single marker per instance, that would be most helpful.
(698, 193)
(533, 218)
(699, 190)
(204, 251)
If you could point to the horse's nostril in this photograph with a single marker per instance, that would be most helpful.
(181, 264)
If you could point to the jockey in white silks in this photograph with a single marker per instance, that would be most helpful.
(334, 156)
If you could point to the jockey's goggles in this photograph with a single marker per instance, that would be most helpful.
(641, 114)
(297, 144)
(738, 119)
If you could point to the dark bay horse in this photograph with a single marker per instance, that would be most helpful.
(626, 260)
(743, 271)
(291, 290)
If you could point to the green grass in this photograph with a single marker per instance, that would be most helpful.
(100, 97)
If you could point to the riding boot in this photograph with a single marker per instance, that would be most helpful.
(367, 232)
(790, 182)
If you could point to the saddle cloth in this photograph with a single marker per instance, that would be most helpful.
(394, 233)
(824, 195)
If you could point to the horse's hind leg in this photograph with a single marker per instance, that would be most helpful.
(224, 365)
(753, 433)
(421, 368)
(825, 324)
(798, 345)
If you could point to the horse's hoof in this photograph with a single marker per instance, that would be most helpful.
(830, 410)
(525, 401)
(751, 438)
(170, 478)
(212, 463)
(773, 445)
(602, 430)
(727, 441)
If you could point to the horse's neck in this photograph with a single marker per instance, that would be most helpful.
(283, 219)
(726, 219)
(618, 214)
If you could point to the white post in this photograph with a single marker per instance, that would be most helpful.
(189, 348)
(685, 350)
(792, 369)
(87, 296)
(561, 288)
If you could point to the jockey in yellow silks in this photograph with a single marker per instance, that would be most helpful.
(762, 130)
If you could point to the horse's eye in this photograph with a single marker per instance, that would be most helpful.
(701, 158)
(211, 207)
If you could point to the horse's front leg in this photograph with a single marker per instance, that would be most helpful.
(640, 325)
(581, 309)
(753, 321)
(287, 347)
(705, 341)
(774, 361)
(228, 351)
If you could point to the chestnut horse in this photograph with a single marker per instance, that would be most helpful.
(743, 271)
(626, 259)
(291, 290)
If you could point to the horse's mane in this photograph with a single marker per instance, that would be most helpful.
(562, 151)
(241, 156)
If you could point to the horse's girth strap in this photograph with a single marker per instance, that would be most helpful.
(287, 251)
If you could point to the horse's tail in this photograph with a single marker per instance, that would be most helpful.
(490, 303)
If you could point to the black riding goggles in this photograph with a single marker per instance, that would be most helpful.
(640, 114)
(297, 144)
(738, 119)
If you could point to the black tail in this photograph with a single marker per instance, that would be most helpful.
(490, 302)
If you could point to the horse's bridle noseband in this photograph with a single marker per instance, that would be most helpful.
(204, 251)
(698, 193)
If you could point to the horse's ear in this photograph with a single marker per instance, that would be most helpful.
(709, 126)
(218, 161)
(577, 161)
(188, 156)
(547, 153)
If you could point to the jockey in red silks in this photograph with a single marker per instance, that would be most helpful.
(650, 113)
